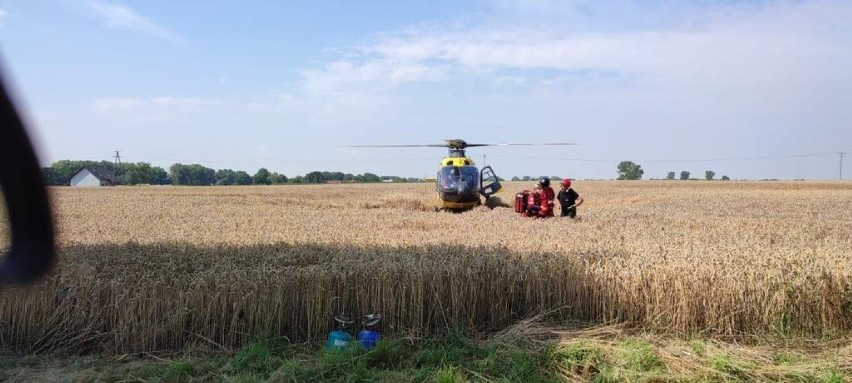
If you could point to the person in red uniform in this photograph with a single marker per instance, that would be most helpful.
(547, 196)
(569, 199)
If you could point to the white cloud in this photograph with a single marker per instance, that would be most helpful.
(777, 48)
(122, 17)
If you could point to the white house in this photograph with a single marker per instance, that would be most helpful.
(92, 176)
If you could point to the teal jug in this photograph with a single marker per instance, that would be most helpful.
(338, 340)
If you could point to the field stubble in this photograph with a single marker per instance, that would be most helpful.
(161, 268)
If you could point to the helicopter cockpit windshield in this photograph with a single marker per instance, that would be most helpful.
(455, 178)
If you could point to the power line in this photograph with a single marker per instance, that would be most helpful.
(680, 160)
(284, 162)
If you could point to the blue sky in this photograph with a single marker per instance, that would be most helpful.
(285, 85)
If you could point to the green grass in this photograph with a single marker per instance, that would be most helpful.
(449, 359)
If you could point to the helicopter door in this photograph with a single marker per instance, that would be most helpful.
(489, 184)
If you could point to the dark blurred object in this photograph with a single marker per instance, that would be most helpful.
(33, 247)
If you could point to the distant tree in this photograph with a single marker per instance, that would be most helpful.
(526, 178)
(370, 177)
(143, 173)
(709, 174)
(194, 174)
(297, 180)
(314, 177)
(555, 178)
(242, 178)
(684, 175)
(725, 178)
(159, 176)
(49, 176)
(180, 174)
(277, 179)
(261, 177)
(516, 178)
(226, 177)
(670, 176)
(627, 170)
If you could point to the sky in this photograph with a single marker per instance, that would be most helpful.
(748, 89)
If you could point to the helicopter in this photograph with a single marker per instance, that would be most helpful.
(459, 183)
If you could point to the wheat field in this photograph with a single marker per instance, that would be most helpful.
(163, 268)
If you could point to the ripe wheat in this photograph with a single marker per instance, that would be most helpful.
(160, 268)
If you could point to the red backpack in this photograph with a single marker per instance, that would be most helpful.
(521, 201)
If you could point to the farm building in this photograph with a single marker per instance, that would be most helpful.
(93, 176)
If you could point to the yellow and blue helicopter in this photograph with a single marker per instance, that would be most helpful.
(459, 183)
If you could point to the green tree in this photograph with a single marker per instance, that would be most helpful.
(709, 174)
(370, 177)
(670, 176)
(725, 178)
(49, 176)
(226, 177)
(194, 174)
(526, 178)
(684, 175)
(627, 170)
(142, 173)
(277, 179)
(314, 177)
(159, 176)
(261, 177)
(242, 178)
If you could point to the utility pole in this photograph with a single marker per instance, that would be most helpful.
(483, 160)
(117, 157)
(841, 163)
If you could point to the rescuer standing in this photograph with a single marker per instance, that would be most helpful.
(569, 199)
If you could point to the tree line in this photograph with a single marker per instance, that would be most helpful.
(140, 173)
(628, 170)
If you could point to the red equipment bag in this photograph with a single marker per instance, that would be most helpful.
(521, 201)
(533, 203)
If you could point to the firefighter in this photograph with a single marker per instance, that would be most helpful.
(547, 196)
(569, 199)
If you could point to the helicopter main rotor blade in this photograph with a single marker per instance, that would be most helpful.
(398, 146)
(459, 144)
(527, 144)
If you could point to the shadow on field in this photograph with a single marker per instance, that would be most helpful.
(134, 298)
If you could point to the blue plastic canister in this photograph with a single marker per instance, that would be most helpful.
(338, 340)
(368, 338)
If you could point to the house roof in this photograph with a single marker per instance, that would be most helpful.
(102, 174)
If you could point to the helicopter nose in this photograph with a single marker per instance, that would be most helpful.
(462, 187)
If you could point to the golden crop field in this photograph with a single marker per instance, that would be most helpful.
(161, 268)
